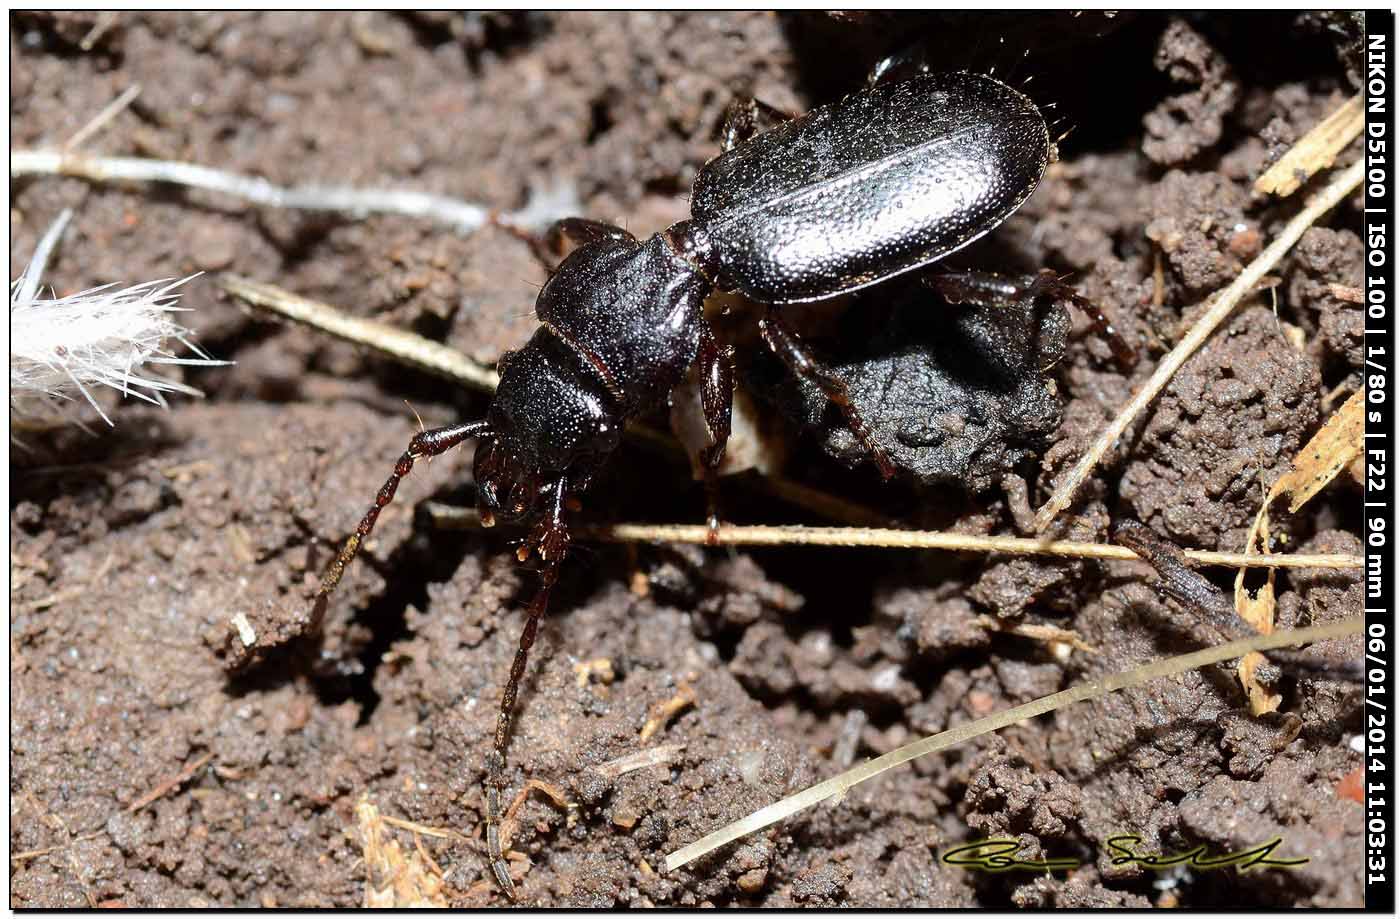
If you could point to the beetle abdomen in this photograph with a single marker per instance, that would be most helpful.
(885, 181)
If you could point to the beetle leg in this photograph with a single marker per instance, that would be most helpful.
(901, 65)
(548, 247)
(1215, 619)
(496, 759)
(582, 230)
(785, 343)
(717, 401)
(746, 116)
(552, 537)
(986, 289)
(424, 444)
(1048, 283)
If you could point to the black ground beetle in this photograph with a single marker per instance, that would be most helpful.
(885, 181)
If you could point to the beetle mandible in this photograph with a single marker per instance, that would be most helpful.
(888, 180)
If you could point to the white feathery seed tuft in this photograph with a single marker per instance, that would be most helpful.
(66, 347)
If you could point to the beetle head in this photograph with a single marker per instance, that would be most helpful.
(550, 420)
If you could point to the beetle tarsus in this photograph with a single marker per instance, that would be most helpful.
(494, 855)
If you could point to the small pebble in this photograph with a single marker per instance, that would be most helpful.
(213, 247)
(625, 817)
(752, 881)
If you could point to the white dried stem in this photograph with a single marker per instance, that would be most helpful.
(462, 216)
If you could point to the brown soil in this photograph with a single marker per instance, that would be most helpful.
(158, 761)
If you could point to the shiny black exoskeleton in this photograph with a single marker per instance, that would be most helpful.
(885, 181)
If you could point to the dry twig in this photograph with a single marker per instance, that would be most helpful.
(449, 516)
(170, 784)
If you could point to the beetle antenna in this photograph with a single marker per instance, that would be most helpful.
(424, 444)
(421, 427)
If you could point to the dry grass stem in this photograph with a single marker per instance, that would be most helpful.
(404, 347)
(104, 22)
(21, 857)
(1225, 302)
(69, 593)
(1086, 691)
(436, 832)
(1315, 150)
(732, 535)
(462, 216)
(1036, 631)
(448, 516)
(99, 121)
